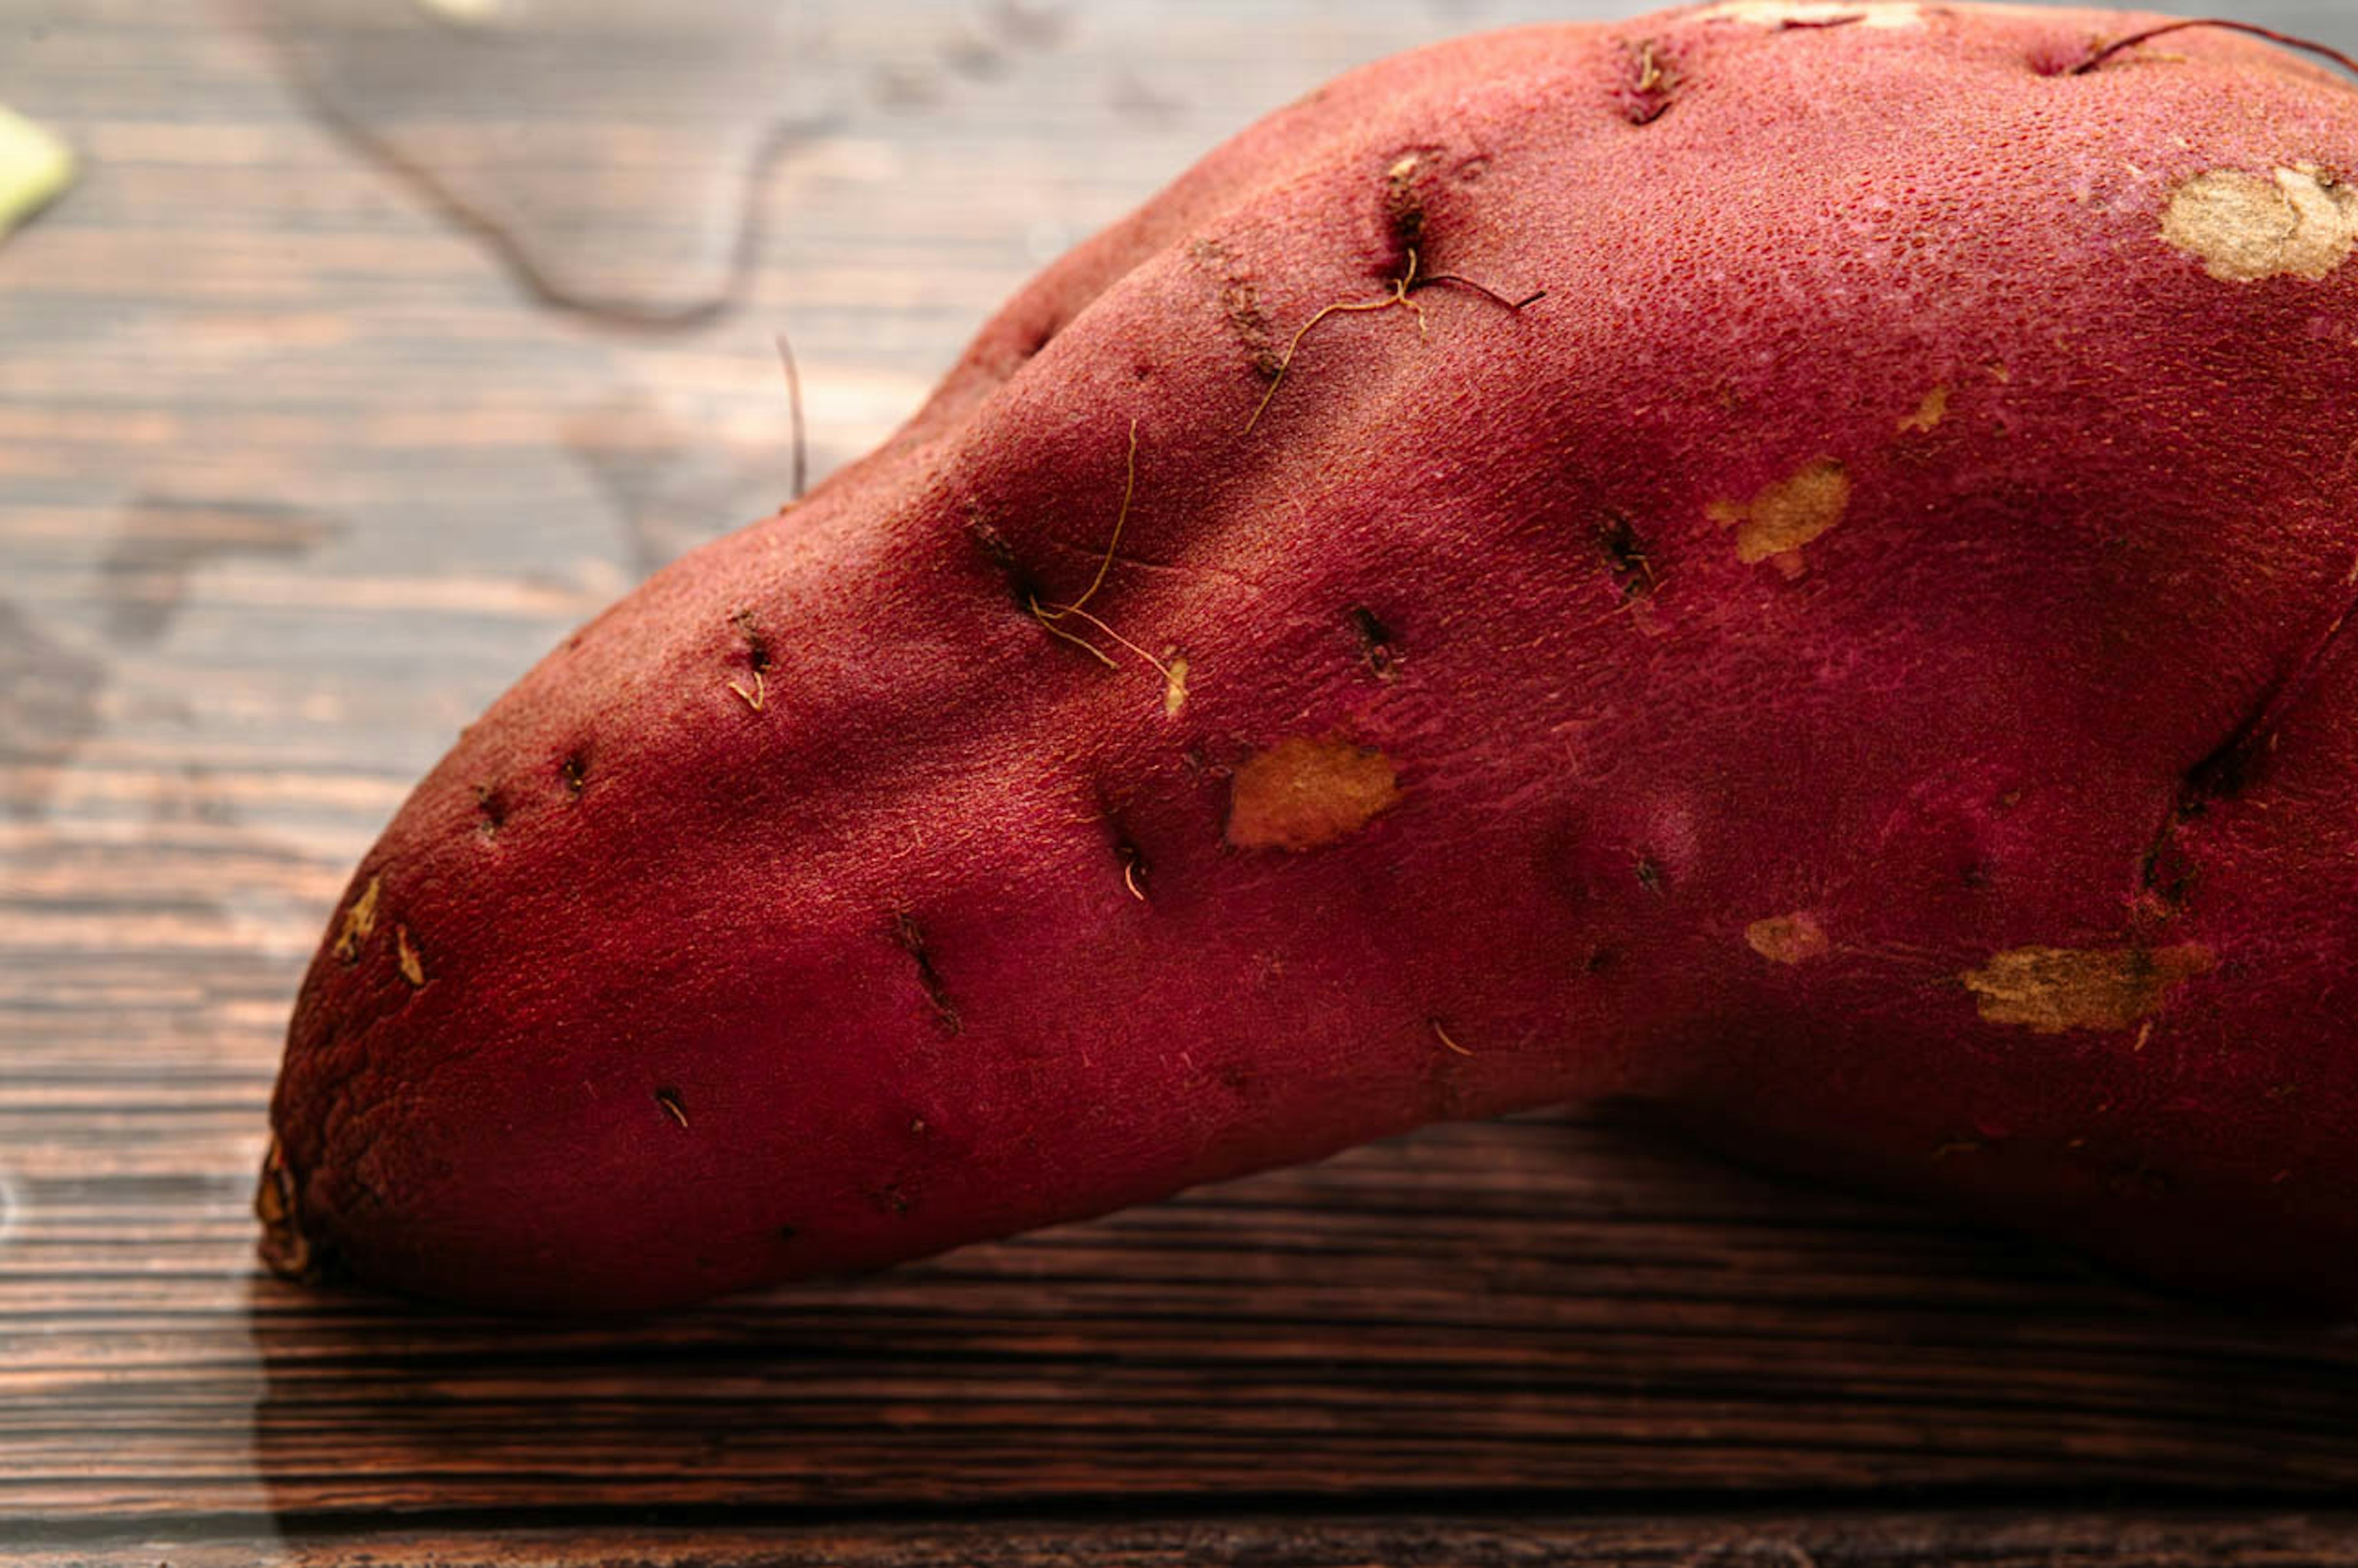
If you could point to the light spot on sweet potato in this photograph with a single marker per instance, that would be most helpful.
(1403, 201)
(2051, 990)
(2296, 223)
(1301, 794)
(1174, 683)
(1816, 13)
(1793, 939)
(360, 922)
(413, 967)
(1652, 82)
(285, 1250)
(1928, 413)
(1787, 513)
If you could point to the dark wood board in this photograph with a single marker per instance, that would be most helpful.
(1992, 1539)
(296, 473)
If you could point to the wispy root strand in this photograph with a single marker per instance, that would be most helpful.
(1406, 284)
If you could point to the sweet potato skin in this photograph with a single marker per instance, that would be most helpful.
(1859, 663)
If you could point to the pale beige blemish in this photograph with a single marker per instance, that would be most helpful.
(1794, 938)
(1174, 683)
(413, 967)
(285, 1250)
(2300, 221)
(360, 922)
(1788, 514)
(1301, 794)
(1928, 413)
(1816, 13)
(2051, 990)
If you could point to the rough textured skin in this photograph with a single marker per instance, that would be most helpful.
(1860, 662)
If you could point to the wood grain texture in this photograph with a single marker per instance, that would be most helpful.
(293, 477)
(1988, 1540)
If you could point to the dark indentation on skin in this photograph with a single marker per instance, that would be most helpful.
(160, 541)
(1601, 958)
(492, 805)
(1626, 554)
(49, 708)
(1974, 874)
(1023, 590)
(892, 1197)
(912, 938)
(757, 647)
(574, 773)
(2233, 766)
(1133, 869)
(1408, 172)
(1645, 92)
(1378, 646)
(672, 1106)
(787, 1233)
(2166, 872)
(1650, 875)
(1240, 306)
(1039, 338)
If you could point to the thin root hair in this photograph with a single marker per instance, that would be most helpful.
(1406, 284)
(2325, 50)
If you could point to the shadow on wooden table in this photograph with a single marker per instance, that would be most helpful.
(1536, 1310)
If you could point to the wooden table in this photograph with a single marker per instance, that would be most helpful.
(295, 475)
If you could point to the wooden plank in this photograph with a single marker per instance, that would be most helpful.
(1778, 1539)
(1538, 1304)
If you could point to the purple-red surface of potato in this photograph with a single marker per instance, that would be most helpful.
(1860, 662)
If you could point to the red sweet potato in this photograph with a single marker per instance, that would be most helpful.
(1861, 662)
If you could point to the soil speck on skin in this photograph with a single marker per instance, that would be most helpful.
(360, 922)
(2293, 222)
(1302, 792)
(1928, 413)
(1787, 513)
(2053, 989)
(1793, 939)
(413, 967)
